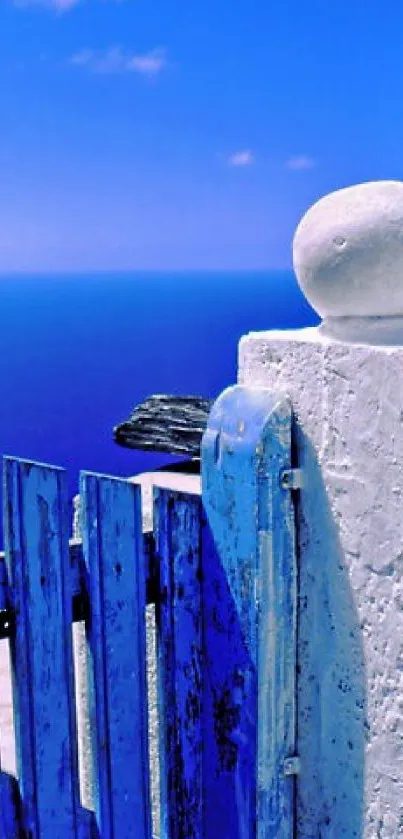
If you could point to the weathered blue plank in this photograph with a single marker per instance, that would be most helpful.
(9, 807)
(37, 557)
(113, 552)
(249, 610)
(177, 522)
(3, 583)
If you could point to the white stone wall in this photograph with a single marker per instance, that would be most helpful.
(348, 402)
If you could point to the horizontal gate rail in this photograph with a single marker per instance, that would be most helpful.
(78, 583)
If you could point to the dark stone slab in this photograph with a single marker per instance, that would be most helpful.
(173, 424)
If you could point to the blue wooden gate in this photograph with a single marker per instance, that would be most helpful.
(220, 568)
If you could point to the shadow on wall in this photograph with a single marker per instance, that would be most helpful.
(332, 723)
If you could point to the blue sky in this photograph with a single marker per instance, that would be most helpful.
(177, 134)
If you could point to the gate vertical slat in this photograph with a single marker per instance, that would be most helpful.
(9, 807)
(113, 552)
(229, 698)
(37, 557)
(249, 611)
(177, 525)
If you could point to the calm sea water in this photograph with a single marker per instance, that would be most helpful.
(77, 353)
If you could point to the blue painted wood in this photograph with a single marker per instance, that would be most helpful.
(79, 574)
(86, 828)
(112, 545)
(78, 582)
(249, 611)
(177, 522)
(3, 582)
(226, 597)
(9, 807)
(36, 542)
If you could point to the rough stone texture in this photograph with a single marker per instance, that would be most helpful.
(348, 251)
(348, 402)
(163, 423)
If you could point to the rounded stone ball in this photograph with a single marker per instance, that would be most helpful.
(348, 251)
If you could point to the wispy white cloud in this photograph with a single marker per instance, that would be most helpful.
(115, 60)
(300, 163)
(149, 64)
(242, 158)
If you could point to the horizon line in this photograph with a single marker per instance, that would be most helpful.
(9, 272)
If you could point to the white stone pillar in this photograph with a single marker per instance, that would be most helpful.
(345, 379)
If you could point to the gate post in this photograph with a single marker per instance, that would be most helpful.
(249, 608)
(345, 379)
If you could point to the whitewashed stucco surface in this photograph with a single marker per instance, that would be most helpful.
(348, 401)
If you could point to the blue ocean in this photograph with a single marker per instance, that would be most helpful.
(78, 352)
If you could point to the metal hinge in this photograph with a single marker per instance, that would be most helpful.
(292, 766)
(291, 478)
